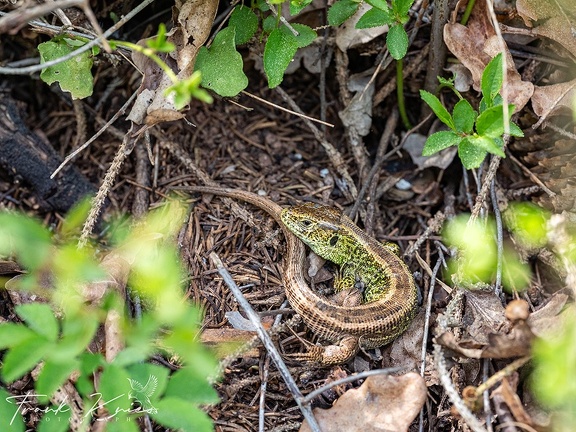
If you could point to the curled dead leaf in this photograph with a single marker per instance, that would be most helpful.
(192, 25)
(475, 44)
(553, 98)
(551, 19)
(516, 342)
(382, 403)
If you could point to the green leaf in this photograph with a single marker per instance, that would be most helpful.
(515, 130)
(221, 65)
(280, 49)
(269, 24)
(515, 273)
(464, 116)
(77, 332)
(151, 377)
(24, 356)
(439, 141)
(115, 389)
(296, 6)
(373, 18)
(490, 123)
(492, 77)
(188, 385)
(88, 364)
(52, 376)
(12, 334)
(528, 224)
(73, 75)
(306, 35)
(56, 419)
(159, 43)
(179, 414)
(491, 145)
(26, 238)
(555, 367)
(341, 11)
(381, 5)
(397, 42)
(72, 224)
(477, 251)
(10, 417)
(471, 155)
(187, 89)
(439, 109)
(402, 7)
(245, 22)
(40, 318)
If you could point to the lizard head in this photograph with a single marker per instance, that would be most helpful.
(320, 228)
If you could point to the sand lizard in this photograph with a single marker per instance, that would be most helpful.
(389, 309)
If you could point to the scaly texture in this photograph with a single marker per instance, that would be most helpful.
(389, 287)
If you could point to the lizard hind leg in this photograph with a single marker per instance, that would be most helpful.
(330, 354)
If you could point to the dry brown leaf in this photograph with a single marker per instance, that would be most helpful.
(193, 22)
(484, 314)
(551, 19)
(549, 99)
(505, 394)
(475, 45)
(406, 350)
(348, 36)
(547, 321)
(9, 267)
(486, 343)
(382, 403)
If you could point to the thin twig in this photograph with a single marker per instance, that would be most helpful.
(263, 386)
(19, 17)
(561, 131)
(348, 188)
(486, 396)
(281, 18)
(102, 193)
(427, 325)
(499, 239)
(440, 363)
(71, 156)
(296, 113)
(482, 195)
(503, 49)
(83, 48)
(380, 158)
(434, 226)
(531, 175)
(362, 375)
(500, 375)
(267, 342)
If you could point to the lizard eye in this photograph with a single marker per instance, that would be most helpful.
(306, 222)
(333, 240)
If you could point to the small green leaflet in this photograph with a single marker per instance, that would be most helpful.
(280, 48)
(73, 75)
(245, 22)
(341, 11)
(221, 65)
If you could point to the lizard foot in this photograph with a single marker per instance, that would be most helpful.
(330, 354)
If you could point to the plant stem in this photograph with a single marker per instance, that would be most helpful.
(150, 53)
(400, 94)
(467, 12)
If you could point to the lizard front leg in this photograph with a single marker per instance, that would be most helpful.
(329, 354)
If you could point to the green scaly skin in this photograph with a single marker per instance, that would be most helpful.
(332, 241)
